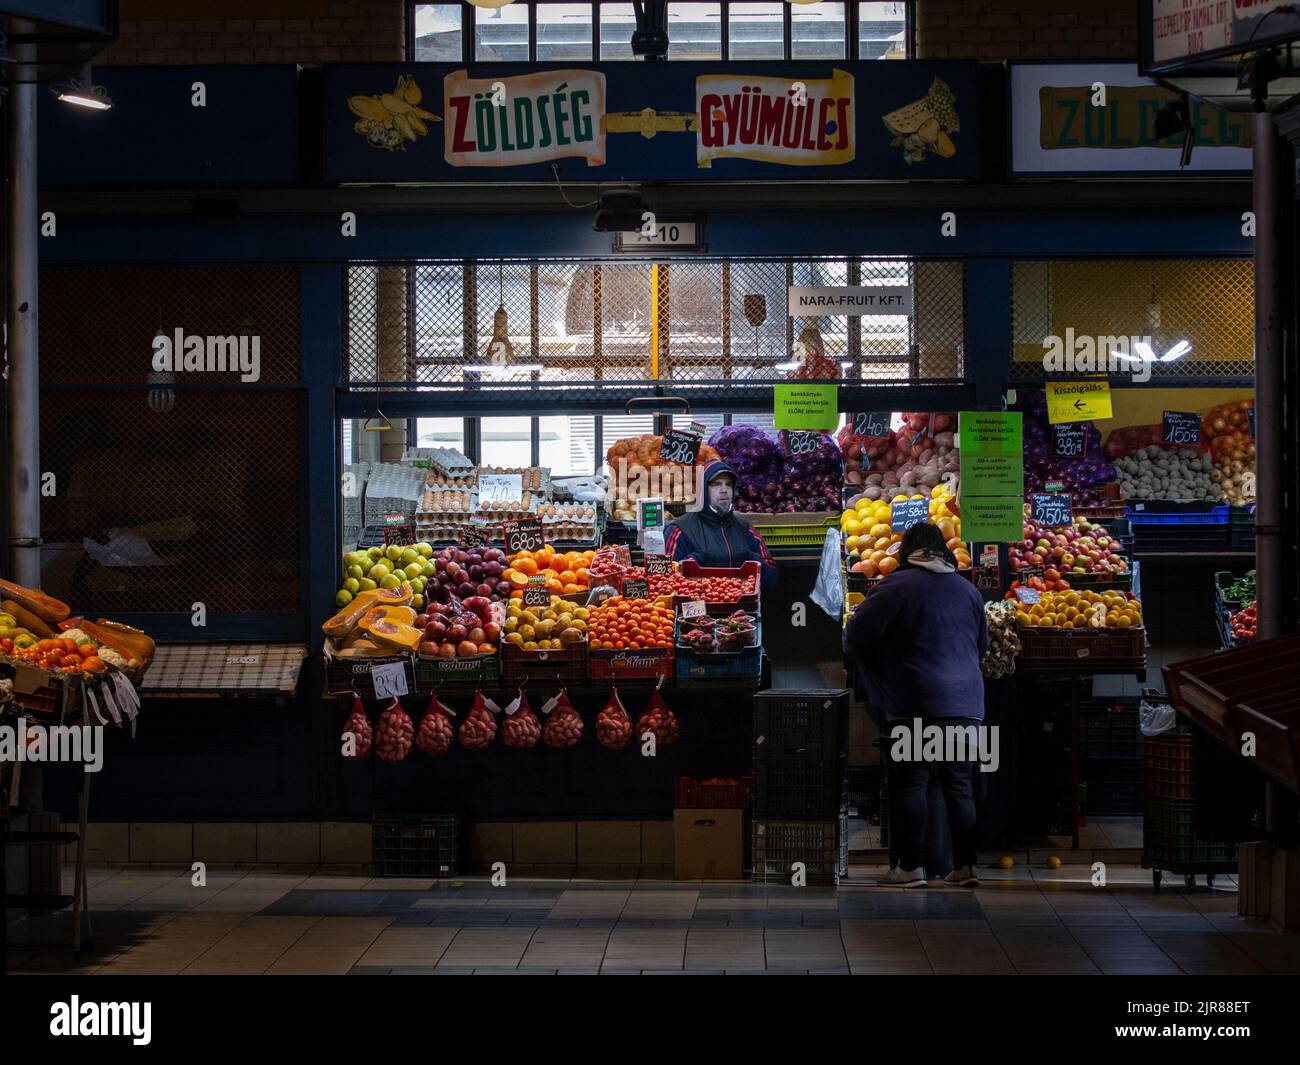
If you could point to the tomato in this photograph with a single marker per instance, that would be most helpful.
(69, 645)
(86, 650)
(68, 661)
(7, 646)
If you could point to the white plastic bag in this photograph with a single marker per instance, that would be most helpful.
(1155, 718)
(828, 593)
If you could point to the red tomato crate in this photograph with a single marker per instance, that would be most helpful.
(691, 569)
(1169, 765)
(692, 794)
(647, 663)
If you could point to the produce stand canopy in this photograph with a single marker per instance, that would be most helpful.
(213, 668)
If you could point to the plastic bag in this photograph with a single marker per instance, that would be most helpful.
(658, 719)
(520, 730)
(358, 727)
(479, 727)
(613, 726)
(828, 592)
(436, 732)
(1155, 718)
(563, 724)
(393, 743)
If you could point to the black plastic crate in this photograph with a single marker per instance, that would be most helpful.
(801, 723)
(1114, 788)
(800, 787)
(416, 845)
(822, 847)
(1106, 731)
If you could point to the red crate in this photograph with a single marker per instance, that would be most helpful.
(749, 603)
(692, 794)
(644, 664)
(1169, 765)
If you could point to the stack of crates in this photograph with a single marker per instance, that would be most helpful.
(1110, 757)
(801, 747)
(1170, 839)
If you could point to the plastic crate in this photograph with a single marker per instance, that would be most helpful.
(692, 794)
(1222, 581)
(1114, 788)
(800, 787)
(1166, 512)
(718, 665)
(1110, 508)
(1169, 836)
(810, 533)
(352, 674)
(807, 723)
(1091, 645)
(479, 670)
(426, 845)
(821, 846)
(1169, 765)
(567, 665)
(748, 603)
(1107, 733)
(1118, 582)
(644, 664)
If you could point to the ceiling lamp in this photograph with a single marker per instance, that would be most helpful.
(491, 3)
(83, 92)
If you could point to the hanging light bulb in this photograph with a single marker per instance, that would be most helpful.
(161, 400)
(491, 3)
(499, 350)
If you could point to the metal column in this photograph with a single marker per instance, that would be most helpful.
(24, 511)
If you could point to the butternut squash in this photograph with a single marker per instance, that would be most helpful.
(403, 614)
(399, 596)
(138, 641)
(26, 619)
(46, 607)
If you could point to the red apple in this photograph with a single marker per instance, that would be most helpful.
(492, 632)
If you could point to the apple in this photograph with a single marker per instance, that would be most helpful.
(477, 636)
(447, 650)
(429, 649)
(492, 632)
(465, 649)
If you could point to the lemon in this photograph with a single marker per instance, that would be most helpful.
(1006, 861)
(1053, 862)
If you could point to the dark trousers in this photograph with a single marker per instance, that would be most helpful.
(913, 782)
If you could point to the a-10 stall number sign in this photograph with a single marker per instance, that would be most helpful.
(908, 512)
(524, 534)
(871, 423)
(1068, 439)
(1181, 428)
(801, 443)
(680, 446)
(1051, 510)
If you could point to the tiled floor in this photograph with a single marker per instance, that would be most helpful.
(1026, 920)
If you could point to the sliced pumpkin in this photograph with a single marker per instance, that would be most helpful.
(392, 634)
(399, 596)
(340, 626)
(402, 614)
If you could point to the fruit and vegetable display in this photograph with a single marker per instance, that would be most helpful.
(1177, 473)
(564, 572)
(457, 629)
(436, 733)
(370, 569)
(1243, 622)
(520, 730)
(771, 480)
(728, 634)
(1004, 641)
(546, 628)
(1078, 548)
(613, 726)
(563, 724)
(636, 466)
(38, 630)
(1242, 589)
(919, 456)
(394, 733)
(1084, 476)
(1081, 610)
(619, 624)
(659, 720)
(873, 546)
(709, 589)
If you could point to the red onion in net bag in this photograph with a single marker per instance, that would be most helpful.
(436, 732)
(394, 733)
(521, 730)
(359, 727)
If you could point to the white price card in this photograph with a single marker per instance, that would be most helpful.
(389, 680)
(694, 609)
(500, 488)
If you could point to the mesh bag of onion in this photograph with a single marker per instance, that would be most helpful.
(394, 733)
(563, 725)
(357, 734)
(658, 719)
(436, 732)
(613, 726)
(520, 730)
(479, 727)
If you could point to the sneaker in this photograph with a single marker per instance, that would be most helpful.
(905, 878)
(963, 877)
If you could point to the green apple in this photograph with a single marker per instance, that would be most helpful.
(391, 581)
(367, 585)
(425, 550)
(343, 598)
(353, 585)
(412, 570)
(409, 555)
(379, 571)
(375, 552)
(428, 570)
(394, 552)
(417, 601)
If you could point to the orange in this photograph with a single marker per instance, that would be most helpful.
(571, 589)
(525, 565)
(568, 576)
(554, 586)
(583, 577)
(517, 577)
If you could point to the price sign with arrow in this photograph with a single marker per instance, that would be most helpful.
(1078, 401)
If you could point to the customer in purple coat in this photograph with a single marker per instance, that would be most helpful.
(917, 642)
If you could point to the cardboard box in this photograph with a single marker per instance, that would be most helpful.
(709, 844)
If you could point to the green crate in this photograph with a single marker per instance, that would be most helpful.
(480, 670)
(809, 534)
(1169, 836)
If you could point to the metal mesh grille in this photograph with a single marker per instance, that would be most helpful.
(1094, 303)
(716, 322)
(188, 492)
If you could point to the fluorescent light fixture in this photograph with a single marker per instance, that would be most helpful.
(1144, 349)
(1126, 356)
(83, 92)
(787, 365)
(1177, 351)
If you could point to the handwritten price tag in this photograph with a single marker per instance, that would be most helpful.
(797, 443)
(523, 535)
(902, 516)
(389, 680)
(694, 609)
(871, 423)
(680, 447)
(1181, 428)
(1051, 510)
(1068, 439)
(658, 565)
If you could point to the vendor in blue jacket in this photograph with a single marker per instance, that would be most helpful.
(713, 535)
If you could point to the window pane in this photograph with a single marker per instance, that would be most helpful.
(501, 33)
(617, 24)
(817, 31)
(438, 38)
(568, 444)
(755, 31)
(882, 31)
(507, 442)
(694, 31)
(440, 432)
(615, 427)
(563, 32)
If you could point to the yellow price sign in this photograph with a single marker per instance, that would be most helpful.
(1078, 401)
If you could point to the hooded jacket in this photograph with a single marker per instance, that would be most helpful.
(714, 539)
